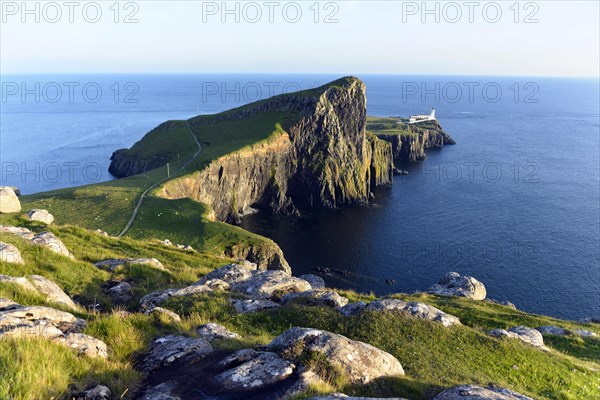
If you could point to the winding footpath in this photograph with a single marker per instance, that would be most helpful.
(143, 196)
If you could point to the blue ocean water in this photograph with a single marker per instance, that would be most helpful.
(516, 203)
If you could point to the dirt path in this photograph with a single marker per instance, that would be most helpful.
(143, 196)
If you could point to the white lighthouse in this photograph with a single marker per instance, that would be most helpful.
(422, 117)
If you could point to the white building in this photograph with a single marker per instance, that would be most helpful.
(422, 117)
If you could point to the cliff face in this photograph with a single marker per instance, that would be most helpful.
(412, 146)
(322, 158)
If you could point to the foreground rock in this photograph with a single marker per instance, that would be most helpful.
(213, 331)
(9, 202)
(266, 284)
(58, 326)
(454, 284)
(251, 306)
(472, 392)
(414, 309)
(250, 370)
(10, 254)
(40, 215)
(17, 230)
(360, 361)
(316, 298)
(523, 333)
(52, 243)
(168, 349)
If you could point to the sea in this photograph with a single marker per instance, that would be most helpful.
(515, 203)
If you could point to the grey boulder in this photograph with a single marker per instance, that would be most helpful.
(168, 349)
(52, 243)
(360, 361)
(212, 331)
(522, 333)
(266, 284)
(472, 392)
(9, 202)
(40, 215)
(454, 284)
(414, 309)
(316, 298)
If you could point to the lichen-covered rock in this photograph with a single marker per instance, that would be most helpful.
(10, 254)
(265, 284)
(472, 392)
(8, 304)
(163, 311)
(252, 370)
(153, 262)
(58, 326)
(316, 282)
(523, 333)
(9, 202)
(360, 361)
(166, 350)
(316, 298)
(230, 273)
(212, 331)
(17, 230)
(52, 243)
(251, 306)
(353, 308)
(40, 216)
(454, 284)
(414, 309)
(52, 291)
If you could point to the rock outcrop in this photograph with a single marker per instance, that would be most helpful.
(522, 333)
(113, 263)
(326, 298)
(168, 349)
(419, 137)
(454, 284)
(472, 392)
(9, 202)
(265, 284)
(40, 215)
(212, 331)
(414, 309)
(52, 243)
(360, 361)
(61, 327)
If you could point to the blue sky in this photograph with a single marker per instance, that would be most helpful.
(387, 37)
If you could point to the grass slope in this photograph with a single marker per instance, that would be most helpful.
(434, 357)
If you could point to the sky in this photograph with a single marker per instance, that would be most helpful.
(539, 38)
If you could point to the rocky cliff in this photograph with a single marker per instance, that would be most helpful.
(320, 157)
(411, 146)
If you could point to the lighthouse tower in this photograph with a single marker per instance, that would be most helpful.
(432, 115)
